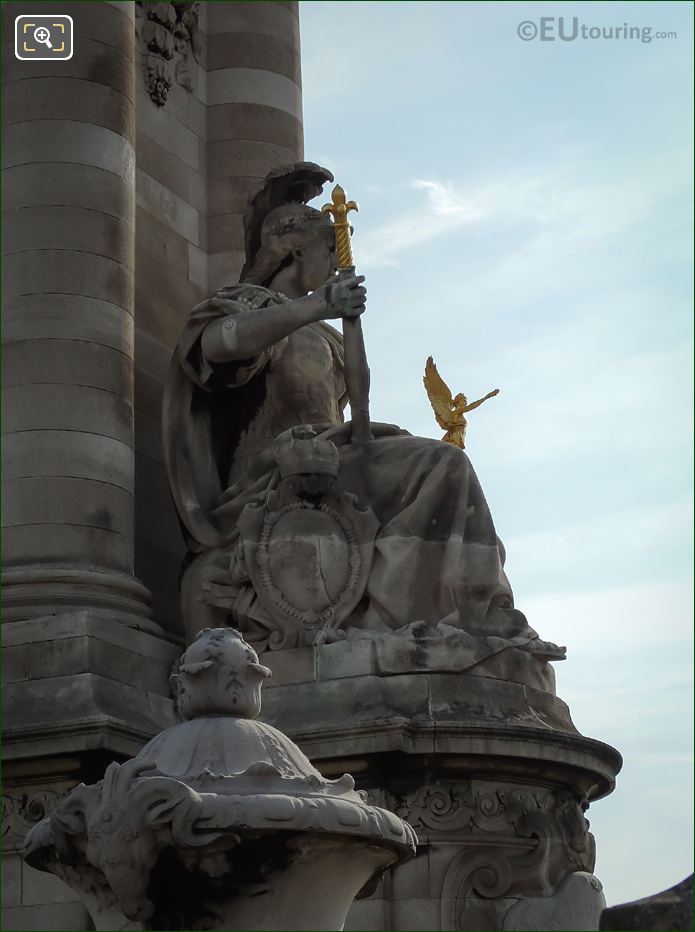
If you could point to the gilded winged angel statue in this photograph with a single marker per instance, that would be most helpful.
(449, 412)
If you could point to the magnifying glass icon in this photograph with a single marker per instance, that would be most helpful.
(43, 35)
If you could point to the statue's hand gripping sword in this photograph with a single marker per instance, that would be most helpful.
(356, 368)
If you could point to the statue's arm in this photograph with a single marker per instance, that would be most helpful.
(477, 404)
(246, 333)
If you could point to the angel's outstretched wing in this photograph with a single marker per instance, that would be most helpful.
(438, 394)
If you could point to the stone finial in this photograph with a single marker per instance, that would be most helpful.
(219, 674)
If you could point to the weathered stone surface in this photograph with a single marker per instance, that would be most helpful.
(67, 184)
(669, 911)
(91, 682)
(290, 666)
(103, 714)
(376, 708)
(97, 63)
(89, 624)
(413, 914)
(170, 133)
(167, 207)
(485, 720)
(153, 356)
(254, 50)
(68, 98)
(577, 905)
(52, 361)
(367, 915)
(270, 19)
(158, 319)
(50, 453)
(53, 227)
(226, 232)
(186, 106)
(59, 917)
(231, 195)
(69, 141)
(197, 266)
(147, 440)
(161, 242)
(55, 271)
(67, 317)
(11, 879)
(346, 658)
(51, 545)
(249, 86)
(40, 888)
(255, 121)
(68, 407)
(15, 663)
(245, 157)
(86, 502)
(224, 268)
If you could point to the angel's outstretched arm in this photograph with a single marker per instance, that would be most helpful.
(477, 404)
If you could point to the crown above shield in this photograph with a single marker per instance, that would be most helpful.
(307, 454)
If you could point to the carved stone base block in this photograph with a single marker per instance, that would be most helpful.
(83, 681)
(478, 755)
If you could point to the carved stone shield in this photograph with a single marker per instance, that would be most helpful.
(308, 562)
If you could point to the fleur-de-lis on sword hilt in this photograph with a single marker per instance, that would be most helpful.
(339, 210)
(356, 368)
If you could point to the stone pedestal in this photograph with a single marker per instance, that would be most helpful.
(488, 769)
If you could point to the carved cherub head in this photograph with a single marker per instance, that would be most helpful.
(219, 674)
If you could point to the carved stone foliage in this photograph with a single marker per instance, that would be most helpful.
(168, 42)
(508, 841)
(22, 811)
(514, 840)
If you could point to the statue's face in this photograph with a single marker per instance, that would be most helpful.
(317, 261)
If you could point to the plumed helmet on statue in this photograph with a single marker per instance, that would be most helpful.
(278, 220)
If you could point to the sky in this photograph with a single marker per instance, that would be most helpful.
(525, 218)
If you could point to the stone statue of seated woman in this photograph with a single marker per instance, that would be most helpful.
(295, 533)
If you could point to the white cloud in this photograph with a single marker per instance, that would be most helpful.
(444, 209)
(557, 213)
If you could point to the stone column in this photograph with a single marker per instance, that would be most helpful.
(81, 685)
(254, 116)
(68, 353)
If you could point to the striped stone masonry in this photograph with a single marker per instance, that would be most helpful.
(69, 223)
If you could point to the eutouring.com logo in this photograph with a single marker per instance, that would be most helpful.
(564, 29)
